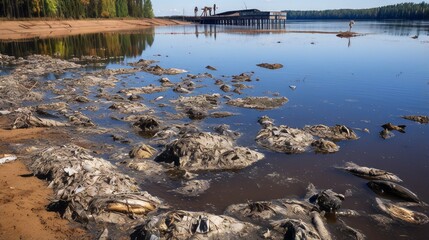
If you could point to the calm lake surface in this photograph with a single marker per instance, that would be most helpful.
(362, 82)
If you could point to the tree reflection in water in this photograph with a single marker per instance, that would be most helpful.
(104, 45)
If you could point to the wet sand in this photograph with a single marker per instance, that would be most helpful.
(16, 30)
(23, 197)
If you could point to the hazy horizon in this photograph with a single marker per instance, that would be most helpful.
(170, 7)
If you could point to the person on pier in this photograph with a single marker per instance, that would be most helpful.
(196, 11)
(214, 9)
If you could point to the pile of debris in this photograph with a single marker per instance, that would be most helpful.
(88, 187)
(207, 151)
(291, 140)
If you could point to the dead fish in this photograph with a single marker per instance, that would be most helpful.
(370, 173)
(293, 87)
(320, 226)
(391, 127)
(393, 189)
(4, 158)
(401, 213)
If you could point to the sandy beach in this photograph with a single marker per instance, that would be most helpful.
(16, 30)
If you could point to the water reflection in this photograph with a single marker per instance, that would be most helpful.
(104, 45)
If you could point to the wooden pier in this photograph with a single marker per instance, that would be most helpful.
(252, 17)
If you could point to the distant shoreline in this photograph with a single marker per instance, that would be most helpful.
(28, 29)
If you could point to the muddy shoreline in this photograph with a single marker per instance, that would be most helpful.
(20, 30)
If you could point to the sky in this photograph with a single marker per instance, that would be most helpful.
(177, 7)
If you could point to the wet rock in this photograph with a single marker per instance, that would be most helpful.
(391, 127)
(326, 200)
(193, 188)
(118, 138)
(78, 179)
(270, 66)
(143, 151)
(200, 101)
(386, 134)
(196, 113)
(143, 90)
(240, 86)
(242, 78)
(194, 225)
(180, 89)
(325, 146)
(129, 107)
(134, 97)
(335, 133)
(157, 70)
(283, 138)
(221, 114)
(206, 151)
(218, 82)
(260, 103)
(225, 88)
(211, 68)
(347, 34)
(225, 131)
(401, 213)
(82, 99)
(370, 173)
(148, 124)
(393, 189)
(420, 119)
(143, 63)
(165, 82)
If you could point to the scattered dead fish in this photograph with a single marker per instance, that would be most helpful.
(142, 151)
(391, 127)
(326, 200)
(420, 119)
(193, 188)
(295, 229)
(401, 213)
(4, 158)
(325, 146)
(370, 173)
(393, 189)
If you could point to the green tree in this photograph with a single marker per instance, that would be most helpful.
(51, 7)
(121, 8)
(108, 8)
(147, 9)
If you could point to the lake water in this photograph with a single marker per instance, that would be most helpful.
(362, 82)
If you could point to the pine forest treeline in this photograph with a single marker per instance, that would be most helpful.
(76, 8)
(408, 11)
